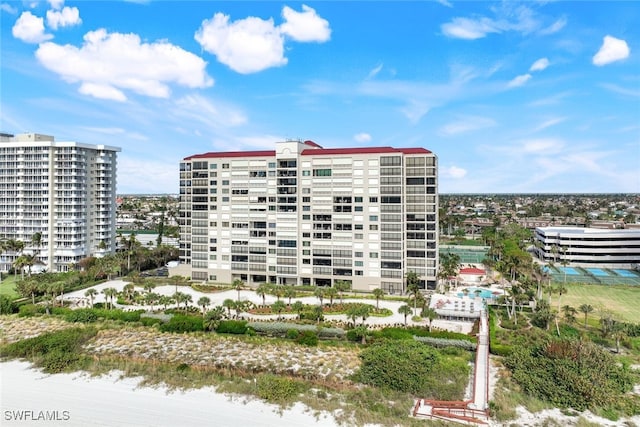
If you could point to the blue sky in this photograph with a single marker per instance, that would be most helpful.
(512, 96)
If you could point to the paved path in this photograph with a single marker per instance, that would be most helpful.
(217, 298)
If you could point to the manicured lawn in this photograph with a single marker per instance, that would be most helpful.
(620, 300)
(7, 287)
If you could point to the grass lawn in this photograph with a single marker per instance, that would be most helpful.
(620, 300)
(7, 287)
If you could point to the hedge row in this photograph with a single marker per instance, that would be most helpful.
(282, 328)
(443, 342)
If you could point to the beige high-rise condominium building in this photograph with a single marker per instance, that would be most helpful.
(62, 191)
(306, 215)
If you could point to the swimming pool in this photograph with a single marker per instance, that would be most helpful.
(597, 272)
(484, 293)
(626, 273)
(568, 270)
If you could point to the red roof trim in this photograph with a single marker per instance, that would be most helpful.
(363, 150)
(265, 153)
(312, 144)
(472, 271)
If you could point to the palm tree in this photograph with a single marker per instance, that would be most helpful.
(378, 293)
(318, 311)
(129, 291)
(213, 318)
(91, 293)
(110, 293)
(413, 286)
(298, 307)
(179, 297)
(342, 286)
(319, 292)
(430, 314)
(229, 304)
(177, 280)
(187, 299)
(406, 310)
(148, 286)
(151, 298)
(278, 307)
(569, 313)
(15, 247)
(331, 293)
(262, 290)
(36, 242)
(290, 292)
(561, 289)
(238, 284)
(204, 303)
(165, 300)
(586, 309)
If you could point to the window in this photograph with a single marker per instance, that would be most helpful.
(225, 182)
(373, 217)
(306, 217)
(272, 165)
(373, 200)
(357, 209)
(322, 172)
(225, 166)
(358, 199)
(213, 166)
(373, 227)
(373, 254)
(306, 200)
(358, 254)
(306, 173)
(306, 243)
(358, 263)
(306, 252)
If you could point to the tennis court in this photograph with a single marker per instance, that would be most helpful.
(591, 275)
(467, 254)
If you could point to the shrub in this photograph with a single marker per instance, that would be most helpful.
(273, 388)
(292, 334)
(237, 327)
(6, 305)
(570, 373)
(29, 310)
(443, 342)
(82, 315)
(308, 338)
(398, 365)
(150, 321)
(283, 328)
(53, 351)
(181, 323)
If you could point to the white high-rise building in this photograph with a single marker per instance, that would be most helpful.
(62, 191)
(305, 215)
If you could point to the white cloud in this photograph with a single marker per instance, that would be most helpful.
(555, 27)
(375, 71)
(247, 46)
(305, 26)
(542, 146)
(67, 17)
(362, 137)
(6, 7)
(612, 50)
(252, 44)
(519, 80)
(56, 4)
(469, 29)
(30, 29)
(454, 172)
(466, 124)
(549, 123)
(212, 115)
(621, 90)
(445, 3)
(108, 64)
(539, 65)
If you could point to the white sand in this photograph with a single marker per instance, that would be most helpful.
(111, 401)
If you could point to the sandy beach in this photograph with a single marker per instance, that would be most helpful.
(77, 399)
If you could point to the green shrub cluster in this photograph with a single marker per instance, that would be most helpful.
(308, 338)
(409, 333)
(444, 342)
(180, 323)
(283, 328)
(6, 305)
(275, 389)
(237, 327)
(495, 347)
(28, 310)
(88, 315)
(52, 351)
(82, 315)
(570, 374)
